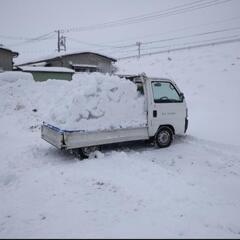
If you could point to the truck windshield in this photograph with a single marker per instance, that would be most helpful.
(165, 92)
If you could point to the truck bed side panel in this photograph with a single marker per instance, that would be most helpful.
(85, 139)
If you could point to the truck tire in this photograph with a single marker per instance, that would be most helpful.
(86, 151)
(163, 137)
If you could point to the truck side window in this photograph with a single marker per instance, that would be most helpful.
(165, 92)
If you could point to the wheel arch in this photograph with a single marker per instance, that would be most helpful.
(166, 126)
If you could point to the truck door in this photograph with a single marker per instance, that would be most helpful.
(167, 107)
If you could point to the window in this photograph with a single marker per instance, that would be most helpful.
(165, 92)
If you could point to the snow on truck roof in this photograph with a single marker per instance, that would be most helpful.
(138, 76)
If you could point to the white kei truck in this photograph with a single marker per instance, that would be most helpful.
(166, 113)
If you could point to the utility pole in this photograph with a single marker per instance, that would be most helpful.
(139, 48)
(58, 43)
(65, 43)
(61, 42)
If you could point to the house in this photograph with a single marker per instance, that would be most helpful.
(78, 61)
(45, 73)
(6, 58)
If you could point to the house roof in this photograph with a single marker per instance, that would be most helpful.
(59, 55)
(15, 54)
(46, 69)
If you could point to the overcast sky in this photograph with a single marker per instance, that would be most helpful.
(32, 18)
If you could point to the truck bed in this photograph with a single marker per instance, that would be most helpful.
(65, 139)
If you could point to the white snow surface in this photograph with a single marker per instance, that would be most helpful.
(88, 102)
(96, 101)
(189, 190)
(46, 69)
(10, 77)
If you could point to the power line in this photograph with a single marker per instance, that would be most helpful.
(180, 9)
(162, 40)
(176, 30)
(36, 39)
(100, 45)
(104, 47)
(24, 38)
(183, 37)
(142, 18)
(42, 37)
(169, 47)
(189, 45)
(195, 42)
(183, 8)
(192, 35)
(119, 21)
(14, 38)
(103, 24)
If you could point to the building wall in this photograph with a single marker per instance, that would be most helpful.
(6, 60)
(103, 64)
(43, 76)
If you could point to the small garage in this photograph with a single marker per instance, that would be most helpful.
(45, 73)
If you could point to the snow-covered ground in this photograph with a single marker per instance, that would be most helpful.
(190, 189)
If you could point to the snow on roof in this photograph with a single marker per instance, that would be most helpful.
(46, 69)
(40, 64)
(59, 54)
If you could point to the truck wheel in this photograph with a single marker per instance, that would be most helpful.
(86, 151)
(164, 137)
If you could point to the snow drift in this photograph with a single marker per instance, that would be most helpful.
(11, 77)
(88, 102)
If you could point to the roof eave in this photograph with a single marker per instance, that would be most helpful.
(15, 54)
(60, 56)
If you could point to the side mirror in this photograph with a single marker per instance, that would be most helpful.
(181, 95)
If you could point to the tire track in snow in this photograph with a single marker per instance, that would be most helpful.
(227, 150)
(228, 156)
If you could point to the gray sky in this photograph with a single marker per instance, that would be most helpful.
(31, 18)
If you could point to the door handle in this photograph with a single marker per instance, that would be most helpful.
(154, 113)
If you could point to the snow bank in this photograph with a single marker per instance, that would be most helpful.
(10, 77)
(88, 102)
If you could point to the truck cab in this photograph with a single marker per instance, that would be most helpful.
(164, 103)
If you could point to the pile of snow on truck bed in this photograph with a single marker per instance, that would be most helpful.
(96, 101)
(88, 102)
